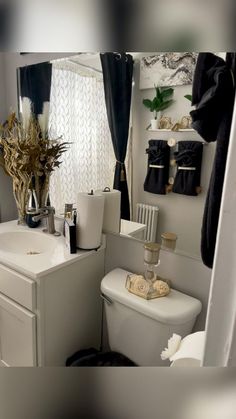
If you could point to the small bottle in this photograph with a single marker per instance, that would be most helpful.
(70, 235)
(68, 210)
(68, 214)
(74, 216)
(168, 241)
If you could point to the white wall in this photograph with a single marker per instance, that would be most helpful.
(178, 213)
(187, 274)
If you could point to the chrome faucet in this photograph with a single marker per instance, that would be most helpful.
(48, 213)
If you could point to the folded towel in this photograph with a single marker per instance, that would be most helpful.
(158, 167)
(189, 161)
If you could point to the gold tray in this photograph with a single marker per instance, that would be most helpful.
(138, 285)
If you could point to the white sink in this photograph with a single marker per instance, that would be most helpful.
(26, 242)
(34, 253)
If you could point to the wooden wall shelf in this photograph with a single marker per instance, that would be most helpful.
(169, 130)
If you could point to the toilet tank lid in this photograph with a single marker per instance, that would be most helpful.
(175, 308)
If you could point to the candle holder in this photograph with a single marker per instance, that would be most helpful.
(148, 286)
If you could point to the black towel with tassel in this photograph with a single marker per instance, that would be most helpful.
(189, 162)
(158, 167)
(213, 96)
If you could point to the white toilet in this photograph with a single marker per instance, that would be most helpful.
(140, 329)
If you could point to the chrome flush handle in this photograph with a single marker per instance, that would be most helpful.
(106, 299)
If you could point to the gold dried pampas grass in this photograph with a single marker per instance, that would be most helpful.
(29, 156)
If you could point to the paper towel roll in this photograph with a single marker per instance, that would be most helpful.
(111, 218)
(90, 208)
(190, 352)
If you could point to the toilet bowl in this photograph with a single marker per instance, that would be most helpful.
(139, 328)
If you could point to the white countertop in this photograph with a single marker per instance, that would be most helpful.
(35, 266)
(131, 227)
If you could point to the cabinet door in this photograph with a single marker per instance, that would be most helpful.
(17, 335)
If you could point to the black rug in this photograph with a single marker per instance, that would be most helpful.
(93, 358)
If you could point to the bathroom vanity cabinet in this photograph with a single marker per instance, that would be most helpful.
(17, 319)
(47, 316)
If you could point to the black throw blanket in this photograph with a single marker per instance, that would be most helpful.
(189, 162)
(158, 167)
(213, 95)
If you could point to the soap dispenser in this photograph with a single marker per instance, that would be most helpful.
(69, 229)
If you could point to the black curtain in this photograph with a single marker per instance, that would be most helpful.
(213, 96)
(35, 83)
(117, 76)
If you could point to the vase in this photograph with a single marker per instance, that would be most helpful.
(20, 192)
(41, 184)
(155, 122)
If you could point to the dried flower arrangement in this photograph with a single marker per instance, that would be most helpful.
(29, 155)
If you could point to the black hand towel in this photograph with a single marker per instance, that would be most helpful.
(213, 95)
(189, 161)
(158, 167)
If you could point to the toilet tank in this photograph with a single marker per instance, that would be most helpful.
(139, 328)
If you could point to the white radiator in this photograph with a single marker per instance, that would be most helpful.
(148, 214)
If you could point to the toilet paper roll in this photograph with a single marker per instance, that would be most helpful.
(190, 352)
(90, 209)
(111, 218)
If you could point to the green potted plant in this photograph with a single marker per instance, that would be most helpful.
(161, 101)
(188, 97)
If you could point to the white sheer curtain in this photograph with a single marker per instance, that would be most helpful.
(78, 114)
